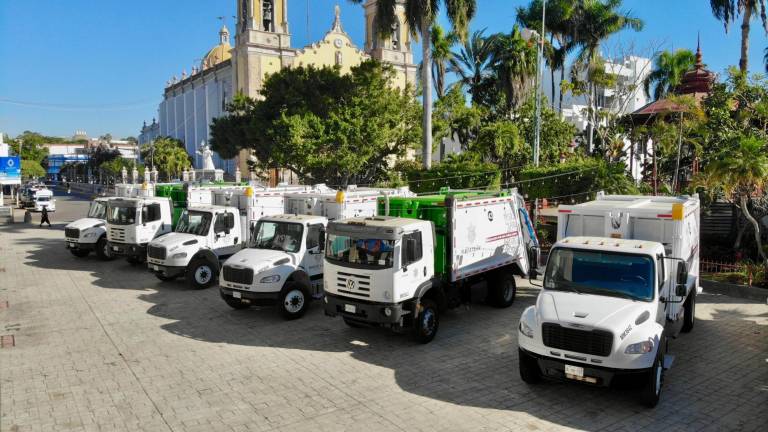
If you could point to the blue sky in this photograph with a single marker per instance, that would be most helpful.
(101, 65)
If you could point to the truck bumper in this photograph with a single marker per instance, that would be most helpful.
(554, 368)
(365, 312)
(128, 250)
(256, 298)
(79, 246)
(167, 271)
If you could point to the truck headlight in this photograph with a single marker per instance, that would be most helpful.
(270, 279)
(179, 255)
(526, 329)
(89, 235)
(640, 347)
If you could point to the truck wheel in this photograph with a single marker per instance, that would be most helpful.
(294, 300)
(690, 312)
(102, 249)
(502, 293)
(235, 303)
(426, 324)
(652, 388)
(80, 253)
(201, 274)
(529, 369)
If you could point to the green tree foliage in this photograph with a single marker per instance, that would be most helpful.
(578, 179)
(441, 56)
(454, 118)
(325, 126)
(31, 169)
(556, 133)
(471, 63)
(168, 155)
(668, 70)
(462, 171)
(728, 11)
(101, 155)
(114, 168)
(32, 145)
(513, 61)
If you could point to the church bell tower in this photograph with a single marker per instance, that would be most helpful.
(263, 43)
(395, 49)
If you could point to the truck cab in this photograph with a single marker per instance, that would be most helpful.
(90, 233)
(134, 222)
(282, 264)
(204, 235)
(43, 198)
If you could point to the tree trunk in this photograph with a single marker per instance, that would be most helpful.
(562, 78)
(747, 17)
(426, 83)
(756, 225)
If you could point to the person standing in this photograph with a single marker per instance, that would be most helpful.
(44, 217)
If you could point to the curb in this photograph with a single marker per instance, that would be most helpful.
(734, 290)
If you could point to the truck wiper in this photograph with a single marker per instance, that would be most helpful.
(569, 285)
(613, 293)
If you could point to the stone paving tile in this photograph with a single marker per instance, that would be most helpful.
(106, 347)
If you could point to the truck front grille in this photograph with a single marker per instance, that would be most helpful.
(72, 233)
(156, 252)
(117, 234)
(354, 284)
(594, 342)
(238, 275)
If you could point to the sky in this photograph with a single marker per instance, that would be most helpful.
(101, 65)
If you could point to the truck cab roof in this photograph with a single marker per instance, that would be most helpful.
(297, 218)
(212, 208)
(139, 200)
(384, 227)
(640, 247)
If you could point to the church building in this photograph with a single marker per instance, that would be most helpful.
(262, 46)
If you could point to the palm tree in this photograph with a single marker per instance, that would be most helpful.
(740, 173)
(765, 58)
(441, 56)
(472, 63)
(514, 61)
(668, 70)
(558, 27)
(420, 15)
(727, 12)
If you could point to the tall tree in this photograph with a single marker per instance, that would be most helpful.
(668, 70)
(513, 59)
(472, 63)
(441, 56)
(420, 15)
(168, 155)
(728, 11)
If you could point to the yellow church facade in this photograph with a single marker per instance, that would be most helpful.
(262, 47)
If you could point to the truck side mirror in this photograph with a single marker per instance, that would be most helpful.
(682, 273)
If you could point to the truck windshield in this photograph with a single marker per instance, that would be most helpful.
(121, 215)
(602, 273)
(282, 236)
(194, 222)
(371, 253)
(43, 199)
(98, 210)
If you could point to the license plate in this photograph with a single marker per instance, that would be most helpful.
(115, 248)
(575, 371)
(156, 268)
(350, 308)
(72, 245)
(237, 294)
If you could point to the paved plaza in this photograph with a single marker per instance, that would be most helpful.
(107, 347)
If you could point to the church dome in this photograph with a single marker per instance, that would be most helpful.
(220, 52)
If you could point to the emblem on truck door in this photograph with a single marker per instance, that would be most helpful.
(490, 215)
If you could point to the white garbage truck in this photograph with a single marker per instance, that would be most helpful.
(620, 282)
(284, 261)
(403, 272)
(134, 222)
(43, 198)
(89, 233)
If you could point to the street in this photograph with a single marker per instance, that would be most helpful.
(106, 346)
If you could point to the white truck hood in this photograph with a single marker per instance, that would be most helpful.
(258, 259)
(589, 310)
(172, 239)
(86, 223)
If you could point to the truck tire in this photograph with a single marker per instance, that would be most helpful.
(690, 312)
(102, 249)
(201, 274)
(651, 391)
(502, 290)
(529, 369)
(294, 300)
(426, 324)
(235, 303)
(80, 253)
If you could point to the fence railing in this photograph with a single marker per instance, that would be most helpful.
(719, 267)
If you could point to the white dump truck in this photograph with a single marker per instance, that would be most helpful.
(621, 280)
(216, 225)
(134, 222)
(268, 271)
(403, 272)
(90, 233)
(43, 198)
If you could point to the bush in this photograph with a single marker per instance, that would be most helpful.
(462, 171)
(575, 179)
(31, 169)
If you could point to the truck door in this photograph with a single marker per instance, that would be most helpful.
(663, 288)
(150, 223)
(226, 239)
(313, 258)
(413, 267)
